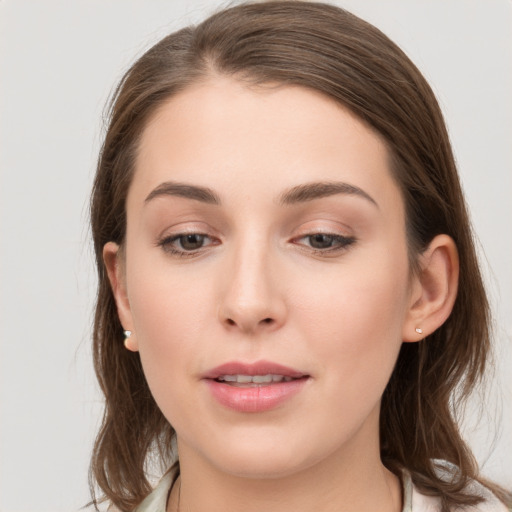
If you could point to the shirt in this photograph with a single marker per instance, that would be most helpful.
(414, 501)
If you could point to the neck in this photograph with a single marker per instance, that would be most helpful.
(343, 482)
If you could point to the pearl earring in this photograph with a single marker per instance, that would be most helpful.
(127, 335)
(418, 330)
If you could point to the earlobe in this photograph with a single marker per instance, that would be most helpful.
(129, 342)
(112, 259)
(434, 289)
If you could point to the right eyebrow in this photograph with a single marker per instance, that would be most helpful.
(316, 190)
(176, 189)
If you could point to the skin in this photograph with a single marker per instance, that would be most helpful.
(257, 289)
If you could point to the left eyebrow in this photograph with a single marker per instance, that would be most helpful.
(317, 190)
(194, 192)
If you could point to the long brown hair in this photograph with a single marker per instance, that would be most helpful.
(327, 49)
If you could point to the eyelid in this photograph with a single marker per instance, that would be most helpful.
(332, 229)
(167, 238)
(185, 228)
(335, 236)
(343, 239)
(166, 244)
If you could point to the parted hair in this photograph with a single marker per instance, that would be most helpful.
(327, 49)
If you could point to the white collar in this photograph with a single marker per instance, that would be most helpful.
(414, 501)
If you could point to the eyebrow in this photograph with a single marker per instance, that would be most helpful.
(317, 190)
(172, 188)
(295, 195)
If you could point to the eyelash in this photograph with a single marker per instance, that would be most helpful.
(167, 245)
(342, 244)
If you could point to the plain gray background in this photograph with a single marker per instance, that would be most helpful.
(58, 62)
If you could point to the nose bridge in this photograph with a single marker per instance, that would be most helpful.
(251, 295)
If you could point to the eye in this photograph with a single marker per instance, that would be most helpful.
(321, 241)
(185, 244)
(191, 242)
(326, 242)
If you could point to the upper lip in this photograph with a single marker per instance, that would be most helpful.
(256, 368)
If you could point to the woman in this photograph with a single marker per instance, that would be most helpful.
(281, 236)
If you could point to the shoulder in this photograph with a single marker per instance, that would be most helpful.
(157, 500)
(422, 503)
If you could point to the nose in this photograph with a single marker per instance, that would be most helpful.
(252, 299)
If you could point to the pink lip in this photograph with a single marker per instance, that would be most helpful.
(263, 397)
(257, 368)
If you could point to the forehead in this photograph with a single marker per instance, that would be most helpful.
(227, 135)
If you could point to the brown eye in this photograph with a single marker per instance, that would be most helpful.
(321, 241)
(186, 244)
(191, 242)
(325, 243)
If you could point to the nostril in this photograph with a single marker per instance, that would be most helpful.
(248, 325)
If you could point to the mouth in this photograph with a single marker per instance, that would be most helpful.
(258, 373)
(245, 381)
(255, 387)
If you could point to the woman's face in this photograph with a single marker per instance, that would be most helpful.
(265, 242)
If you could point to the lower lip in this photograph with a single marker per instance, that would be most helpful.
(255, 399)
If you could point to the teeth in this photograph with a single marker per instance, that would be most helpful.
(259, 379)
(255, 379)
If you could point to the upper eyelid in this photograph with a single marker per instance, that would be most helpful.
(346, 233)
(207, 233)
(326, 233)
(175, 236)
(346, 238)
(182, 231)
(324, 222)
(311, 226)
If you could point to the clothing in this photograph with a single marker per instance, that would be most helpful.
(414, 501)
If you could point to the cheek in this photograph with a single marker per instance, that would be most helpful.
(170, 315)
(168, 302)
(354, 320)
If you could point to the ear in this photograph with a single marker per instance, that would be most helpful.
(433, 290)
(113, 259)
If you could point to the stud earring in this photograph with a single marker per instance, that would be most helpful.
(127, 335)
(418, 330)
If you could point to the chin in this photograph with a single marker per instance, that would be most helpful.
(260, 465)
(266, 456)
